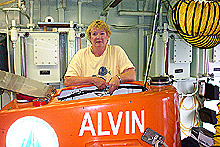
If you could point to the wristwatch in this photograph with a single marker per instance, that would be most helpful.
(119, 77)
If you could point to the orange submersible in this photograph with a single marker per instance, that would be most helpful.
(86, 116)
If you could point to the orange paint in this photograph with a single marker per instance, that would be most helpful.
(117, 119)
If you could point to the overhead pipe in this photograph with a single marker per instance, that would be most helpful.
(7, 2)
(137, 13)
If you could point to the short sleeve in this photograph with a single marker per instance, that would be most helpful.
(75, 67)
(123, 61)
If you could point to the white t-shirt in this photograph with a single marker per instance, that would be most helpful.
(112, 62)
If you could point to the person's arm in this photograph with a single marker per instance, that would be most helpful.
(76, 80)
(128, 75)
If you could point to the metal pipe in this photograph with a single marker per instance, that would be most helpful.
(31, 11)
(196, 51)
(202, 61)
(140, 49)
(137, 13)
(10, 9)
(8, 50)
(161, 17)
(7, 2)
(64, 4)
(19, 3)
(31, 14)
(165, 39)
(48, 7)
(39, 10)
(80, 14)
(207, 53)
(19, 12)
(23, 57)
(61, 14)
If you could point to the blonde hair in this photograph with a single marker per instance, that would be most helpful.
(97, 24)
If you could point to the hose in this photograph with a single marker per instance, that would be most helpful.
(198, 22)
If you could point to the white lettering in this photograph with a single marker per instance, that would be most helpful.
(135, 119)
(90, 128)
(127, 124)
(115, 128)
(100, 132)
(87, 124)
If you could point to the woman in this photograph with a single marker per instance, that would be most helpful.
(101, 65)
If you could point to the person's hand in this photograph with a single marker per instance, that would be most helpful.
(99, 82)
(113, 84)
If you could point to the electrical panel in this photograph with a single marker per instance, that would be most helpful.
(173, 58)
(182, 51)
(43, 62)
(180, 57)
(44, 47)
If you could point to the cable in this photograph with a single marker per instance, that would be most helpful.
(196, 104)
(156, 21)
(195, 121)
(181, 103)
